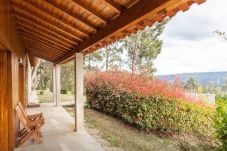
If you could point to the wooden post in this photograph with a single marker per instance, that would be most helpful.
(57, 84)
(6, 102)
(28, 79)
(22, 85)
(79, 101)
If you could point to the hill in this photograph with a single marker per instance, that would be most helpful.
(203, 78)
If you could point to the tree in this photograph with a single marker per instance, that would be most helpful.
(143, 47)
(112, 55)
(191, 85)
(42, 75)
(91, 60)
(67, 77)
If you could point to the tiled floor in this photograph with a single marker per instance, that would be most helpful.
(58, 134)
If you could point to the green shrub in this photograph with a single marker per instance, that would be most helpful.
(41, 92)
(147, 112)
(220, 123)
(63, 91)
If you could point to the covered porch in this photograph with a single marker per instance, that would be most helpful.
(60, 31)
(58, 132)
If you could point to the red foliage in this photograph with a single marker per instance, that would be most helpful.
(141, 85)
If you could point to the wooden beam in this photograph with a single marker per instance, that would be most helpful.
(24, 14)
(47, 34)
(60, 20)
(44, 50)
(69, 13)
(29, 42)
(90, 10)
(41, 41)
(44, 36)
(40, 52)
(131, 16)
(52, 22)
(115, 5)
(55, 33)
(41, 56)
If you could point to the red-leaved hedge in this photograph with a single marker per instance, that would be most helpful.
(149, 104)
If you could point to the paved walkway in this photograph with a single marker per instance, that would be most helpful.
(58, 134)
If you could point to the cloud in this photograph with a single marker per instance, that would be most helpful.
(189, 42)
(199, 22)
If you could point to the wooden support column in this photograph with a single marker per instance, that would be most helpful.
(6, 102)
(22, 85)
(57, 84)
(28, 80)
(79, 101)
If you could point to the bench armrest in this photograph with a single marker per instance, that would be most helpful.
(33, 116)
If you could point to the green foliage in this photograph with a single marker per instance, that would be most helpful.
(41, 92)
(191, 85)
(43, 75)
(149, 113)
(143, 47)
(67, 77)
(220, 123)
(91, 60)
(64, 91)
(112, 55)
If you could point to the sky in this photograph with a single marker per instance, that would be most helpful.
(189, 44)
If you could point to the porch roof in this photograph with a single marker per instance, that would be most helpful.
(55, 30)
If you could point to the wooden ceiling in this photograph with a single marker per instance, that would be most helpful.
(55, 30)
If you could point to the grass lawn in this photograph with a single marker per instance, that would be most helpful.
(47, 96)
(116, 135)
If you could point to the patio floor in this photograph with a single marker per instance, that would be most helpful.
(58, 134)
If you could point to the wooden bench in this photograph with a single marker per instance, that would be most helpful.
(31, 125)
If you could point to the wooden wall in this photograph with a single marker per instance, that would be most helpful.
(6, 105)
(10, 84)
(11, 50)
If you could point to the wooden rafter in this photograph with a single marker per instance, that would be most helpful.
(39, 55)
(40, 37)
(133, 15)
(24, 14)
(90, 10)
(26, 22)
(42, 42)
(43, 35)
(41, 49)
(115, 5)
(78, 18)
(30, 42)
(55, 16)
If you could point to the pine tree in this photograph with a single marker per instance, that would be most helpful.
(143, 47)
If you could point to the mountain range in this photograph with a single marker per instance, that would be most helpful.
(203, 78)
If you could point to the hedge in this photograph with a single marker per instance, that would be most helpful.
(166, 109)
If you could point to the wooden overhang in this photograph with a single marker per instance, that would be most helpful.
(55, 30)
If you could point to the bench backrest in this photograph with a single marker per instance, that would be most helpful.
(23, 119)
